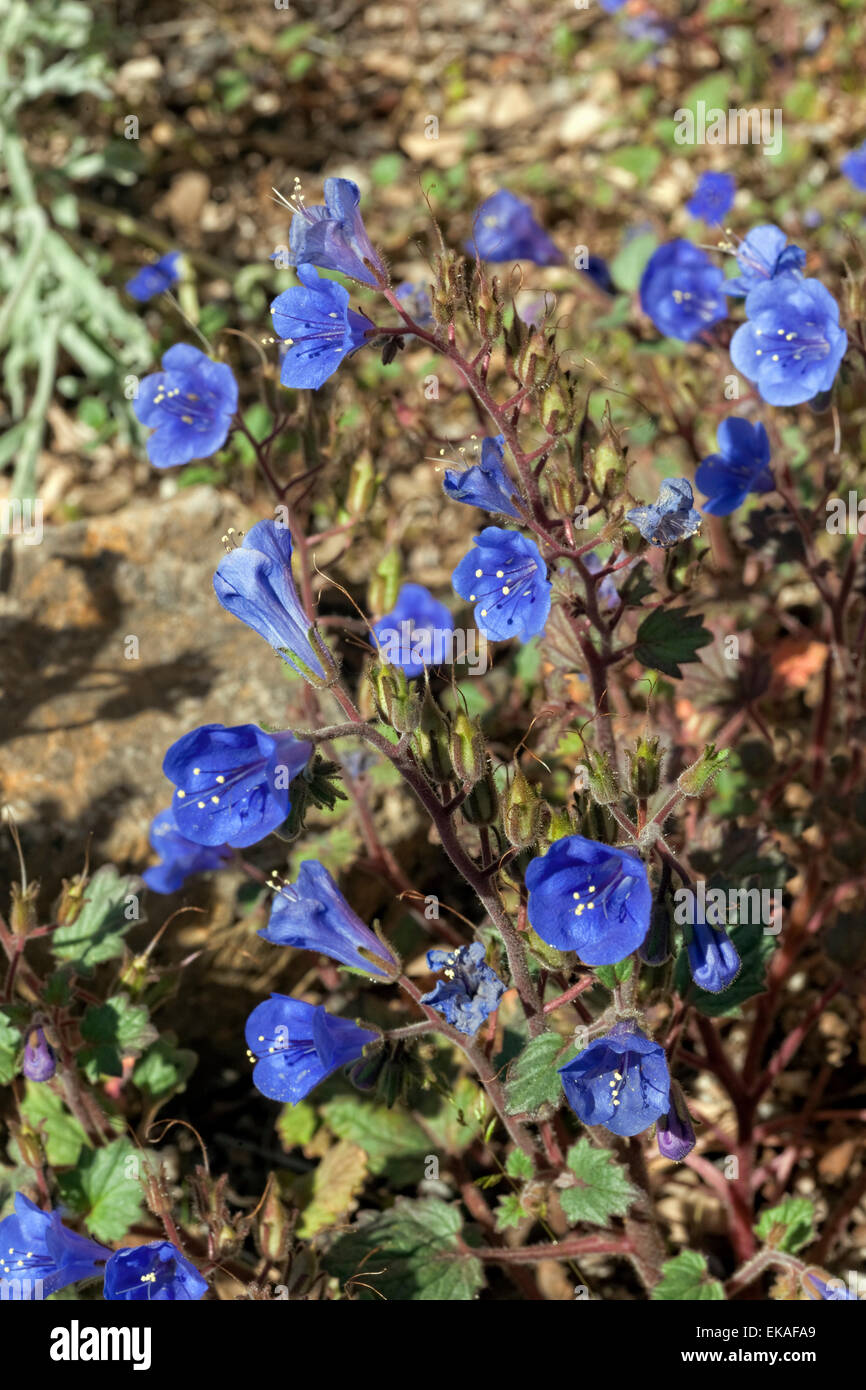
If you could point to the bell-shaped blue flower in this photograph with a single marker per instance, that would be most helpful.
(232, 783)
(675, 1133)
(713, 958)
(39, 1062)
(254, 583)
(418, 632)
(180, 858)
(505, 576)
(670, 519)
(153, 1273)
(189, 405)
(316, 327)
(620, 1081)
(505, 230)
(296, 1045)
(741, 466)
(36, 1246)
(763, 255)
(333, 236)
(485, 484)
(791, 344)
(590, 898)
(154, 279)
(853, 166)
(713, 198)
(312, 915)
(682, 291)
(470, 991)
(415, 299)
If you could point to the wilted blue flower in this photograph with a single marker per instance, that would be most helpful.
(232, 783)
(713, 198)
(607, 591)
(620, 1081)
(39, 1063)
(312, 915)
(470, 990)
(682, 291)
(418, 631)
(153, 1273)
(671, 518)
(763, 255)
(713, 958)
(416, 301)
(505, 577)
(829, 1290)
(35, 1245)
(485, 484)
(854, 166)
(333, 236)
(317, 327)
(590, 898)
(741, 466)
(791, 344)
(597, 270)
(505, 230)
(296, 1045)
(153, 279)
(189, 405)
(254, 583)
(675, 1133)
(180, 857)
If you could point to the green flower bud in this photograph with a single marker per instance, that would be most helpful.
(273, 1227)
(701, 775)
(363, 485)
(526, 363)
(71, 899)
(481, 806)
(384, 586)
(23, 914)
(525, 814)
(555, 410)
(561, 823)
(397, 703)
(645, 762)
(602, 777)
(595, 822)
(431, 740)
(468, 749)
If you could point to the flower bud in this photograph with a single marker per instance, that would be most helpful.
(607, 471)
(526, 363)
(363, 486)
(397, 704)
(384, 585)
(675, 1132)
(655, 948)
(431, 739)
(71, 899)
(602, 777)
(273, 1228)
(468, 749)
(561, 823)
(29, 1141)
(701, 775)
(644, 767)
(555, 410)
(481, 806)
(595, 822)
(22, 917)
(524, 812)
(39, 1063)
(562, 486)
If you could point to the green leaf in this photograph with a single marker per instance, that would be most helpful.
(62, 1135)
(393, 1142)
(296, 1124)
(116, 1029)
(409, 1253)
(612, 975)
(164, 1069)
(602, 1189)
(457, 1118)
(754, 948)
(669, 636)
(533, 1077)
(10, 1046)
(518, 1164)
(789, 1226)
(685, 1280)
(105, 1188)
(336, 1183)
(640, 160)
(629, 263)
(509, 1212)
(97, 933)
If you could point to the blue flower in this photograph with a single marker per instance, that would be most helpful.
(505, 230)
(418, 631)
(611, 6)
(713, 958)
(854, 166)
(740, 467)
(485, 484)
(791, 343)
(254, 583)
(675, 1133)
(713, 198)
(313, 915)
(180, 857)
(317, 326)
(763, 255)
(682, 291)
(828, 1290)
(607, 590)
(620, 1081)
(189, 405)
(232, 784)
(39, 1063)
(671, 518)
(296, 1045)
(416, 301)
(153, 279)
(505, 577)
(470, 991)
(35, 1245)
(590, 898)
(597, 270)
(153, 1273)
(333, 236)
